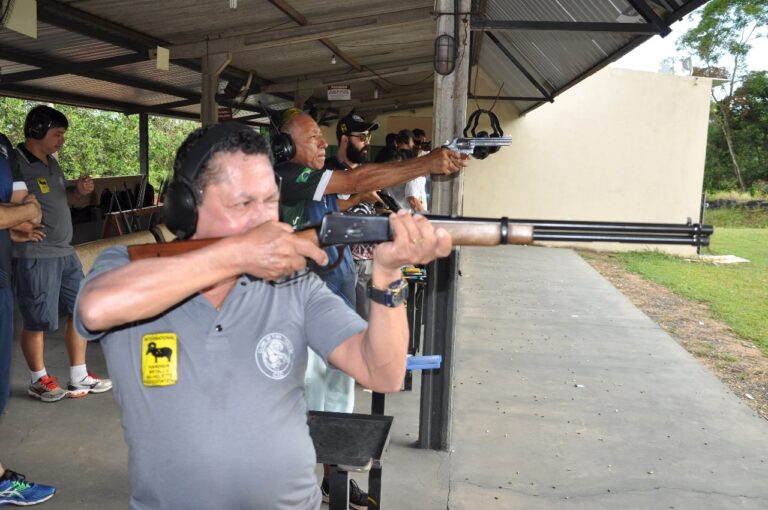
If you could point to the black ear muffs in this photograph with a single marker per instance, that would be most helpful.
(181, 199)
(471, 129)
(283, 147)
(37, 125)
(180, 209)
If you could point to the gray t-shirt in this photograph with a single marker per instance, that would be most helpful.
(48, 185)
(232, 431)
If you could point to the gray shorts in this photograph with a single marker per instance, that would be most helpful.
(46, 289)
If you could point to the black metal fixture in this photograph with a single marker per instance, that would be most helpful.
(445, 54)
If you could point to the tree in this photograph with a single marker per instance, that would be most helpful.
(726, 29)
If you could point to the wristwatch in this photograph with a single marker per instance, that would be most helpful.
(394, 295)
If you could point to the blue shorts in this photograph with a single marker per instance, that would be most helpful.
(46, 289)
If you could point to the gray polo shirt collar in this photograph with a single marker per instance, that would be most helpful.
(31, 158)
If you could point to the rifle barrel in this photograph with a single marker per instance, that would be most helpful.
(691, 234)
(694, 240)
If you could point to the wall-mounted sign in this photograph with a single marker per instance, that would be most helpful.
(339, 92)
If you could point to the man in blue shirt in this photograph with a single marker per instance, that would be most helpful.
(14, 488)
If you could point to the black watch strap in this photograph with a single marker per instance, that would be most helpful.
(394, 295)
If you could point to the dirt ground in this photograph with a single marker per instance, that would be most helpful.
(735, 361)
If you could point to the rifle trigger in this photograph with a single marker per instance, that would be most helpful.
(330, 267)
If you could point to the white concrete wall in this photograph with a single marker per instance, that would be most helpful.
(620, 146)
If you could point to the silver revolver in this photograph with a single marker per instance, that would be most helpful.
(467, 145)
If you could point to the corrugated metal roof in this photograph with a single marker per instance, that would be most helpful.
(97, 52)
(539, 49)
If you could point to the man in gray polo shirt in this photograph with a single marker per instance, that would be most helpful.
(208, 348)
(47, 274)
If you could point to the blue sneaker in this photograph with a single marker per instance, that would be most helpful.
(16, 490)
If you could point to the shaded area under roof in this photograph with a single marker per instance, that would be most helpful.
(100, 53)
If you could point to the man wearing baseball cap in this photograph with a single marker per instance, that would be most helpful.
(354, 136)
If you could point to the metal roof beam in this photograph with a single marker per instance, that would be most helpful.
(505, 98)
(80, 100)
(544, 92)
(15, 55)
(69, 68)
(221, 100)
(650, 16)
(300, 34)
(401, 98)
(67, 17)
(164, 106)
(565, 26)
(416, 15)
(394, 106)
(56, 96)
(297, 83)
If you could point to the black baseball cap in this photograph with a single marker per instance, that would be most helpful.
(353, 123)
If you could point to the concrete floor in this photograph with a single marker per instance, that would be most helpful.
(566, 396)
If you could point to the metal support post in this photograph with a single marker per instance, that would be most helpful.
(450, 111)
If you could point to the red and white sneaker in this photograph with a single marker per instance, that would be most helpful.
(90, 384)
(46, 389)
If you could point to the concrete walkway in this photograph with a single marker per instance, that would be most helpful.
(566, 396)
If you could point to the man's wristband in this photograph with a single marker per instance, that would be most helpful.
(394, 295)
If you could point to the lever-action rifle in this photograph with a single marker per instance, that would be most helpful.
(340, 229)
(467, 145)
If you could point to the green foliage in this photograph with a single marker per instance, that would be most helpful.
(748, 113)
(725, 29)
(737, 293)
(721, 42)
(101, 143)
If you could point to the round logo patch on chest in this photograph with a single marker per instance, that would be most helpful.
(275, 355)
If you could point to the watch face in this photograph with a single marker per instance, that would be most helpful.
(398, 285)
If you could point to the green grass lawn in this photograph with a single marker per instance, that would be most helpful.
(737, 294)
(757, 218)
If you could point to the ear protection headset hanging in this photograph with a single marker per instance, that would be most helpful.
(471, 127)
(37, 123)
(180, 204)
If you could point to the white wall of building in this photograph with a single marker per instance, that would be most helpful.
(620, 146)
